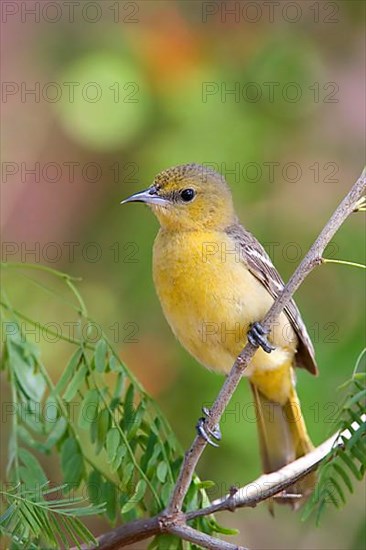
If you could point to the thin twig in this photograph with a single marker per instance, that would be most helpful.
(269, 485)
(312, 258)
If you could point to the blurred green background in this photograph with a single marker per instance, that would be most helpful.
(273, 98)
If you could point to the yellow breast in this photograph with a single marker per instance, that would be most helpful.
(209, 298)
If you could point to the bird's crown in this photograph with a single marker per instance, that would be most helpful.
(183, 172)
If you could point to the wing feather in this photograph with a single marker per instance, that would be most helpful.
(261, 266)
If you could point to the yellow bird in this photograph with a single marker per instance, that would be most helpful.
(215, 283)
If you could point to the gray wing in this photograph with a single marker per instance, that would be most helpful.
(261, 267)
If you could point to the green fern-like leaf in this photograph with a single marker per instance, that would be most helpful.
(51, 523)
(346, 463)
(118, 448)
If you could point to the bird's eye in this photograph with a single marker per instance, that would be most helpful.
(187, 194)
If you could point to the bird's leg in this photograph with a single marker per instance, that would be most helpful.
(257, 336)
(206, 432)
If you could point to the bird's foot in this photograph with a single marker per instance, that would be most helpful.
(257, 336)
(206, 432)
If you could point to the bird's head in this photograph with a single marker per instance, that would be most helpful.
(189, 197)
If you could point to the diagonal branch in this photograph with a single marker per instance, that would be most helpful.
(172, 519)
(312, 258)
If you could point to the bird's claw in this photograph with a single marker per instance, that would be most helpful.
(257, 336)
(206, 432)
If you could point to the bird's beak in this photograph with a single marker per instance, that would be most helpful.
(148, 196)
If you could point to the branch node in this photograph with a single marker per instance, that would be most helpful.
(169, 520)
(317, 260)
(231, 506)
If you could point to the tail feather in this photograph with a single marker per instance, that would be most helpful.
(292, 410)
(282, 439)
